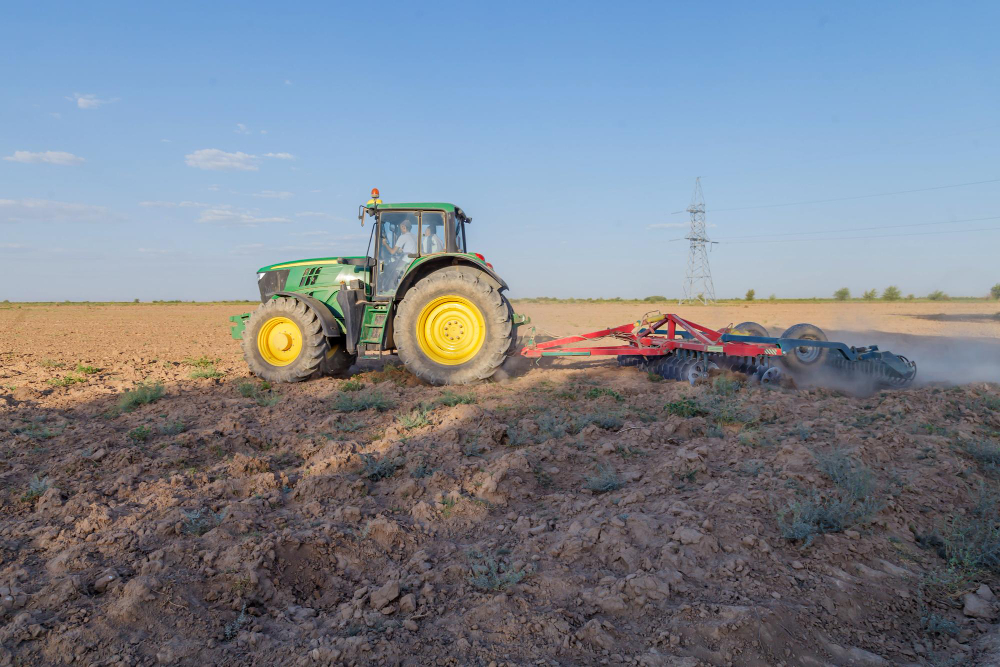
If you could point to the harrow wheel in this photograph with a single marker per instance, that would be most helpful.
(749, 329)
(803, 358)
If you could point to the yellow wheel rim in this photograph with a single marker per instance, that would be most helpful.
(279, 341)
(451, 330)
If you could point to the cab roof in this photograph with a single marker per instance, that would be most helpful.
(434, 205)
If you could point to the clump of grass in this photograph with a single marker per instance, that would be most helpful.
(972, 543)
(204, 373)
(853, 503)
(375, 469)
(598, 392)
(362, 401)
(233, 627)
(352, 385)
(492, 572)
(262, 394)
(414, 419)
(142, 394)
(36, 487)
(985, 454)
(936, 624)
(198, 522)
(451, 399)
(67, 380)
(654, 377)
(201, 362)
(87, 370)
(36, 429)
(685, 407)
(473, 449)
(391, 373)
(140, 434)
(172, 428)
(550, 427)
(726, 385)
(50, 363)
(752, 467)
(608, 421)
(604, 481)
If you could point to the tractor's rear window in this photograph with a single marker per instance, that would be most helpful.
(459, 236)
(431, 232)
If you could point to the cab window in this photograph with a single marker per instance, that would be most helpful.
(431, 232)
(459, 236)
(397, 241)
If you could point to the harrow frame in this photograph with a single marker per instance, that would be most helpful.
(659, 335)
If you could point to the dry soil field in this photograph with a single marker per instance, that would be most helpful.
(573, 512)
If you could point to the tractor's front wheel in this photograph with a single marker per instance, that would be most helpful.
(284, 342)
(453, 327)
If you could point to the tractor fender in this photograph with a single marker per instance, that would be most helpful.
(433, 265)
(331, 326)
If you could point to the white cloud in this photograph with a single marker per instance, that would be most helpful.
(12, 246)
(272, 194)
(172, 204)
(288, 82)
(214, 159)
(320, 232)
(280, 156)
(263, 131)
(56, 115)
(154, 251)
(213, 188)
(166, 141)
(667, 225)
(228, 215)
(44, 210)
(89, 100)
(44, 157)
(241, 129)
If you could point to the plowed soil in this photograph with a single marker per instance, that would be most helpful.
(571, 512)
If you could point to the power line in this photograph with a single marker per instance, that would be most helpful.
(864, 229)
(875, 236)
(836, 199)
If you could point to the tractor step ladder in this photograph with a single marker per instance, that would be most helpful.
(373, 329)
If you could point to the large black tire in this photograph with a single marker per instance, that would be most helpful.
(804, 358)
(750, 329)
(313, 344)
(336, 359)
(474, 288)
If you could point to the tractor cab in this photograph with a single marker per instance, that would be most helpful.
(406, 235)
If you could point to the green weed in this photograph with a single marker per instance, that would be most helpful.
(376, 469)
(352, 385)
(604, 481)
(685, 407)
(492, 573)
(204, 373)
(451, 399)
(140, 434)
(87, 370)
(67, 380)
(598, 392)
(142, 394)
(36, 487)
(201, 362)
(362, 401)
(261, 393)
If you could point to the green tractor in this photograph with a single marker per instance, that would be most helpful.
(420, 294)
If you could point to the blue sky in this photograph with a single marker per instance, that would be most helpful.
(167, 151)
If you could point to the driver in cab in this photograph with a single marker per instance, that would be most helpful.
(406, 243)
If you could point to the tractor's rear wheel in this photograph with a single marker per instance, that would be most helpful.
(453, 327)
(283, 341)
